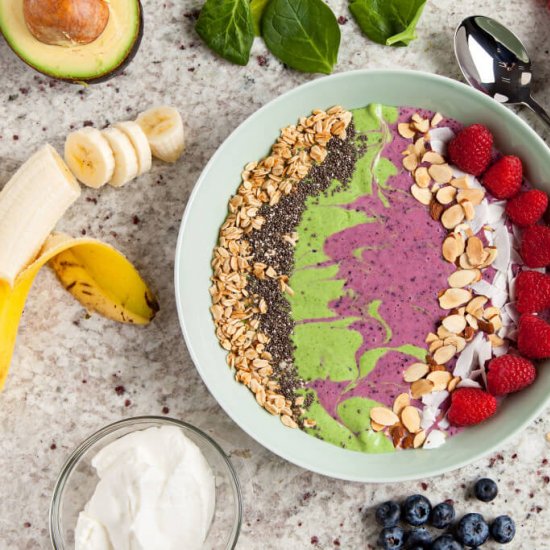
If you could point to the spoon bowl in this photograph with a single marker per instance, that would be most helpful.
(494, 61)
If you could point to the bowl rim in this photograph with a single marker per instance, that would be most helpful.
(56, 537)
(179, 278)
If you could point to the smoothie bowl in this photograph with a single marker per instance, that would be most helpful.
(361, 282)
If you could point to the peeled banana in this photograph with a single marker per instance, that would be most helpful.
(95, 273)
(31, 204)
(139, 141)
(164, 130)
(126, 161)
(89, 156)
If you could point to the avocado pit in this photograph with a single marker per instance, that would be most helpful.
(66, 22)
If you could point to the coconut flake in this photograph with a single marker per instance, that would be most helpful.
(496, 212)
(484, 353)
(428, 418)
(435, 399)
(489, 235)
(438, 146)
(511, 312)
(468, 383)
(444, 424)
(465, 360)
(537, 269)
(435, 439)
(501, 350)
(503, 244)
(444, 134)
(500, 281)
(515, 257)
(480, 216)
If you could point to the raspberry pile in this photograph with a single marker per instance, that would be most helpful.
(471, 151)
(417, 513)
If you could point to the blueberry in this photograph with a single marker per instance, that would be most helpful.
(485, 489)
(391, 538)
(446, 542)
(503, 529)
(443, 515)
(419, 538)
(388, 514)
(472, 530)
(416, 510)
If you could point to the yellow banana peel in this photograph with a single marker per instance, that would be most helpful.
(95, 273)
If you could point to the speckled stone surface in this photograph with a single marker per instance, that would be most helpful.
(66, 367)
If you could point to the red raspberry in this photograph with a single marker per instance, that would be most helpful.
(532, 292)
(509, 373)
(534, 337)
(527, 208)
(470, 149)
(471, 406)
(535, 246)
(503, 178)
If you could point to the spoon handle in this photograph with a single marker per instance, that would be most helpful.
(538, 110)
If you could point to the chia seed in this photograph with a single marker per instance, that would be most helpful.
(269, 247)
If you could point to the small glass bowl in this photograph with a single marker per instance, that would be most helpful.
(77, 481)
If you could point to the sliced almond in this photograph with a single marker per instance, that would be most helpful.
(472, 321)
(405, 130)
(446, 195)
(397, 434)
(431, 338)
(453, 383)
(420, 147)
(444, 354)
(383, 416)
(436, 119)
(436, 210)
(475, 196)
(454, 323)
(492, 253)
(416, 117)
(423, 196)
(469, 210)
(422, 126)
(419, 439)
(496, 321)
(440, 379)
(490, 312)
(463, 277)
(460, 183)
(452, 216)
(474, 250)
(401, 401)
(376, 427)
(469, 333)
(435, 368)
(411, 419)
(415, 372)
(421, 387)
(435, 345)
(462, 310)
(486, 326)
(476, 303)
(410, 162)
(441, 173)
(496, 341)
(451, 248)
(457, 341)
(443, 333)
(432, 157)
(409, 150)
(464, 263)
(408, 442)
(421, 177)
(454, 297)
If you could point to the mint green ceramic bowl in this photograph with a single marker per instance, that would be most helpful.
(207, 208)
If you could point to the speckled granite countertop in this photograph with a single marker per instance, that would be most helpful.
(72, 375)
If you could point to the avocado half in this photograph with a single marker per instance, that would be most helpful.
(97, 61)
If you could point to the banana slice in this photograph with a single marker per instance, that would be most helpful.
(89, 157)
(126, 160)
(31, 204)
(139, 140)
(164, 130)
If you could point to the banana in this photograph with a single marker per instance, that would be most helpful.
(89, 156)
(164, 130)
(31, 204)
(139, 140)
(126, 160)
(95, 273)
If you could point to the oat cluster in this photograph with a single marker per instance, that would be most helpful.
(238, 313)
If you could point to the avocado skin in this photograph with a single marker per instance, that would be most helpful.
(104, 77)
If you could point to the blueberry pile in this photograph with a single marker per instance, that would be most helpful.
(471, 531)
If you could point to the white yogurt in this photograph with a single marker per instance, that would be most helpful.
(156, 492)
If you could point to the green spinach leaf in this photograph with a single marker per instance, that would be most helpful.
(226, 27)
(388, 22)
(304, 34)
(257, 8)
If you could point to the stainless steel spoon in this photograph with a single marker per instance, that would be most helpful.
(494, 61)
